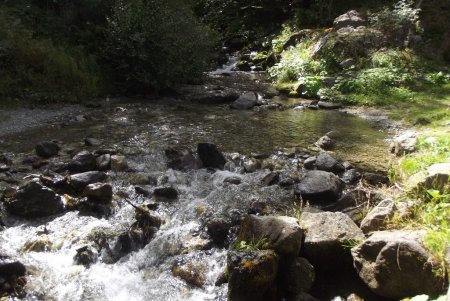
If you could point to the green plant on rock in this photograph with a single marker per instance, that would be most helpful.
(253, 245)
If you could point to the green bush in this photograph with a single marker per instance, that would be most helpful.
(37, 69)
(153, 44)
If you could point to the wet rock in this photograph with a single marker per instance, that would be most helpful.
(377, 218)
(235, 180)
(83, 161)
(119, 163)
(349, 19)
(192, 273)
(38, 245)
(404, 144)
(251, 274)
(327, 163)
(141, 178)
(243, 66)
(92, 142)
(12, 278)
(299, 276)
(218, 229)
(251, 164)
(375, 178)
(142, 190)
(325, 143)
(394, 264)
(210, 155)
(181, 158)
(351, 176)
(329, 105)
(103, 162)
(304, 297)
(309, 162)
(34, 200)
(165, 194)
(78, 182)
(319, 186)
(245, 102)
(4, 167)
(47, 149)
(329, 236)
(35, 162)
(86, 255)
(280, 233)
(207, 94)
(98, 192)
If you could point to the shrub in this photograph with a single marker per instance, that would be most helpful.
(152, 44)
(37, 69)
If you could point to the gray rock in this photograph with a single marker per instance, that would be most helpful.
(251, 164)
(325, 143)
(351, 176)
(181, 158)
(299, 276)
(395, 264)
(47, 149)
(377, 218)
(78, 182)
(235, 180)
(329, 236)
(282, 233)
(309, 163)
(4, 167)
(352, 203)
(103, 162)
(271, 178)
(82, 162)
(329, 105)
(349, 19)
(404, 144)
(119, 163)
(347, 63)
(327, 163)
(319, 186)
(375, 178)
(210, 155)
(98, 192)
(245, 102)
(251, 274)
(142, 190)
(34, 200)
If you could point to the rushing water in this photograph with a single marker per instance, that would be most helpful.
(142, 130)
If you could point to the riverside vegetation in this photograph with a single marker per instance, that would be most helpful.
(388, 55)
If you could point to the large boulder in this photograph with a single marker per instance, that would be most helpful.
(280, 233)
(83, 161)
(349, 19)
(329, 236)
(319, 186)
(395, 264)
(251, 274)
(34, 200)
(181, 158)
(210, 155)
(78, 182)
(245, 102)
(47, 149)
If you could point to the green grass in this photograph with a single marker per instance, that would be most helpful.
(253, 245)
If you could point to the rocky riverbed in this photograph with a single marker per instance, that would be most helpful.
(224, 191)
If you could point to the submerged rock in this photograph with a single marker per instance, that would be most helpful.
(279, 233)
(395, 264)
(47, 149)
(34, 200)
(251, 274)
(210, 155)
(181, 158)
(325, 143)
(319, 186)
(329, 237)
(245, 102)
